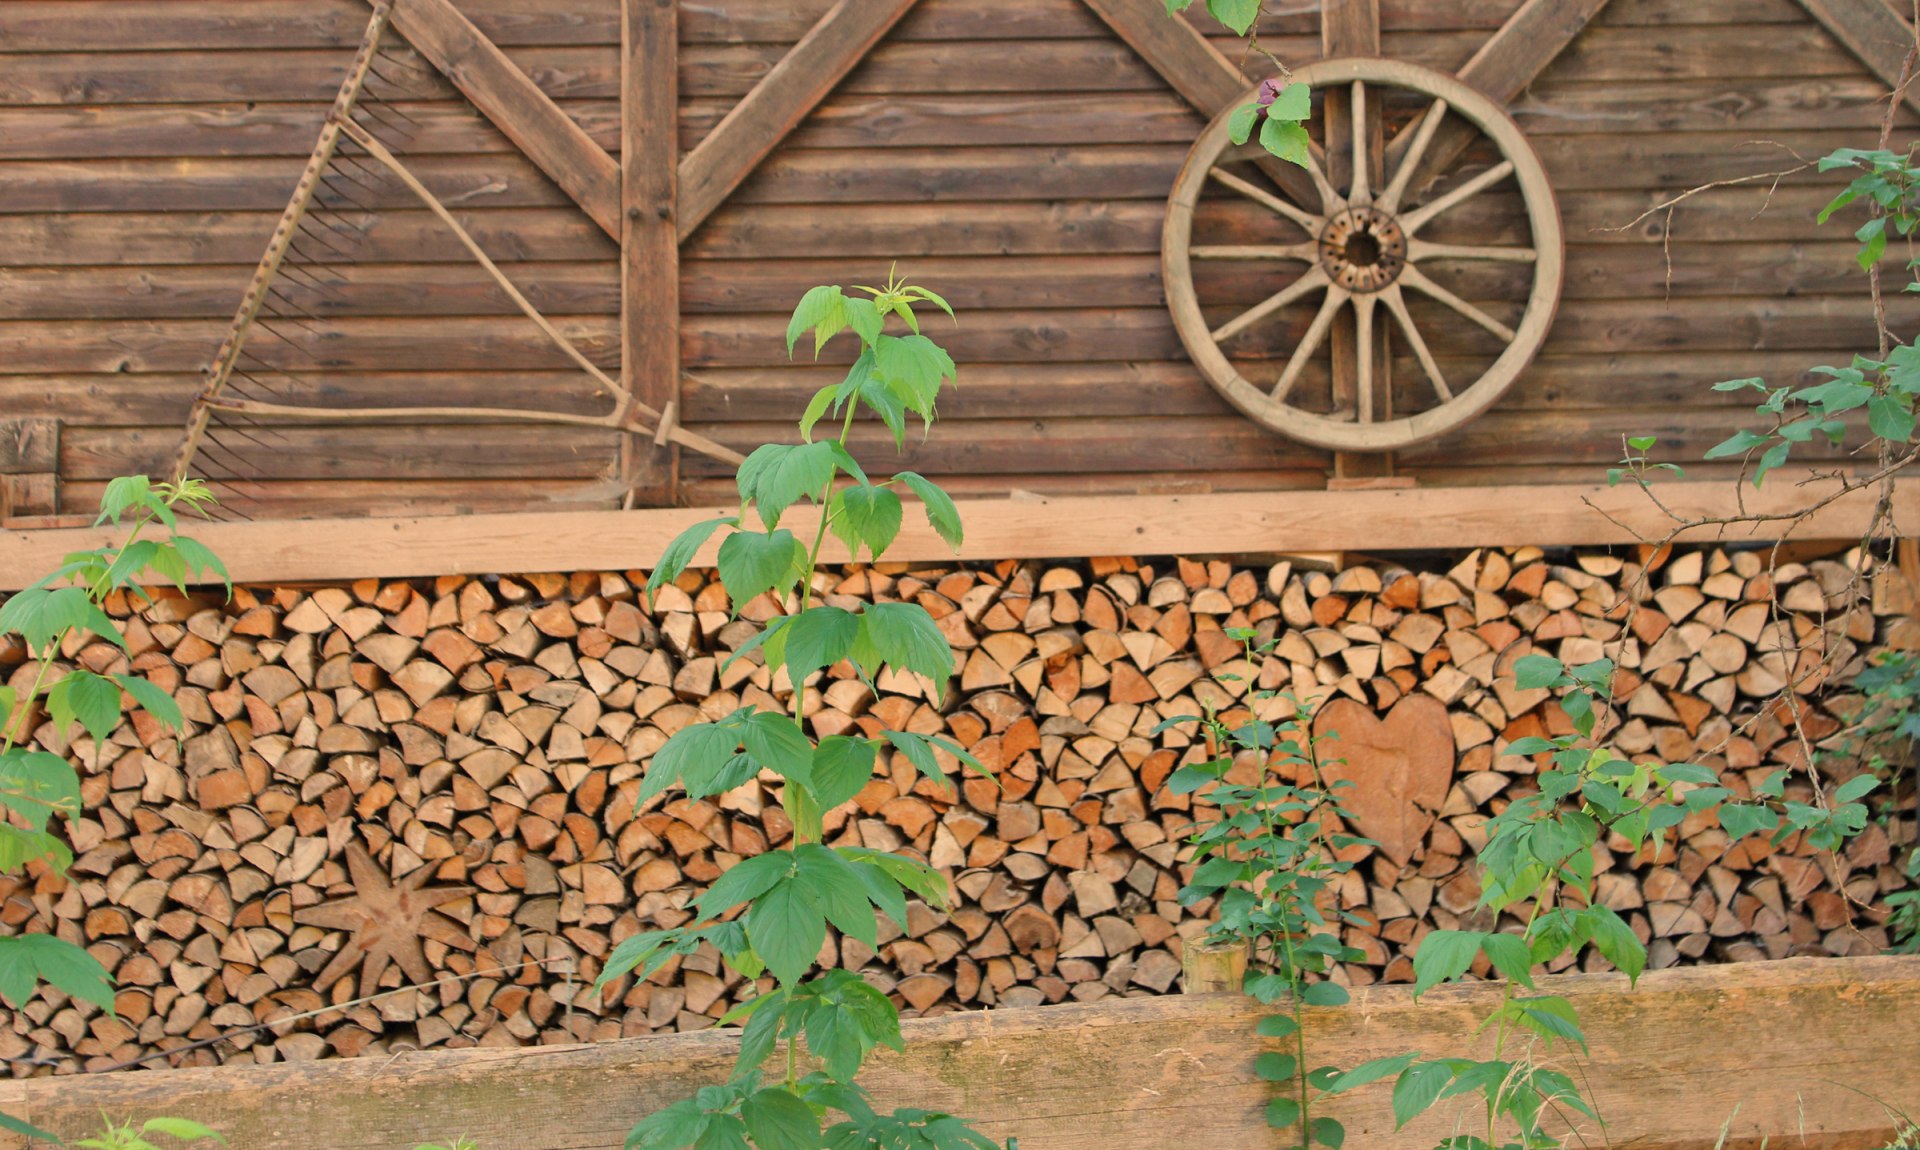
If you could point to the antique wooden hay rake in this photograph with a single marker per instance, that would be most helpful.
(232, 422)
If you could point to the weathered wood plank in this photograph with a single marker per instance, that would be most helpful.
(801, 79)
(650, 244)
(29, 445)
(444, 451)
(1312, 521)
(507, 97)
(1877, 34)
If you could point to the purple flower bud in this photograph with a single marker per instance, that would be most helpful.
(1270, 90)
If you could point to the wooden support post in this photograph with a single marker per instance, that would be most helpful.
(650, 239)
(1352, 28)
(1218, 969)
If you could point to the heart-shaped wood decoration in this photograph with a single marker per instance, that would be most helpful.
(1400, 768)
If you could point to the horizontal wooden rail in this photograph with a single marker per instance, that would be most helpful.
(1408, 519)
(1805, 1051)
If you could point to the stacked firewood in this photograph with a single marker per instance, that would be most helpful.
(482, 741)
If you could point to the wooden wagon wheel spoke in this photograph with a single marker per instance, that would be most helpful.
(1311, 223)
(1389, 200)
(1313, 278)
(1413, 221)
(1396, 302)
(1418, 281)
(1420, 250)
(1363, 351)
(1361, 193)
(1309, 343)
(1304, 253)
(1362, 253)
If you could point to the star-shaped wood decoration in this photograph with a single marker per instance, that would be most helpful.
(387, 919)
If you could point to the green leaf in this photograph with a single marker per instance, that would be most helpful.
(836, 889)
(1274, 1066)
(1444, 955)
(1739, 443)
(919, 752)
(150, 699)
(1325, 994)
(914, 367)
(1277, 1026)
(1534, 672)
(1742, 819)
(1549, 1016)
(1295, 102)
(818, 637)
(1643, 442)
(745, 881)
(1240, 124)
(693, 756)
(1855, 788)
(842, 766)
(823, 311)
(200, 559)
(87, 698)
(786, 929)
(1417, 1088)
(1773, 457)
(1328, 1132)
(681, 551)
(1288, 141)
(1238, 15)
(778, 475)
(1283, 1112)
(816, 407)
(752, 563)
(29, 958)
(776, 742)
(903, 636)
(1370, 1071)
(866, 515)
(1889, 418)
(679, 1125)
(1615, 940)
(942, 515)
(123, 493)
(180, 1128)
(37, 785)
(26, 1129)
(1510, 956)
(864, 318)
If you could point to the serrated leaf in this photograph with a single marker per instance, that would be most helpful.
(1615, 940)
(778, 475)
(866, 515)
(836, 889)
(942, 515)
(1417, 1088)
(1533, 672)
(1443, 955)
(822, 310)
(816, 408)
(1372, 1070)
(776, 742)
(841, 767)
(149, 697)
(786, 929)
(681, 551)
(818, 637)
(37, 785)
(752, 563)
(919, 752)
(691, 756)
(905, 637)
(84, 697)
(27, 959)
(1510, 956)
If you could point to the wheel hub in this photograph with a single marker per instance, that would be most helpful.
(1363, 250)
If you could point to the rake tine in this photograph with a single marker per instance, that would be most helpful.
(276, 293)
(315, 236)
(263, 325)
(260, 383)
(346, 195)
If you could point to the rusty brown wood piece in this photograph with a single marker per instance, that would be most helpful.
(282, 241)
(650, 241)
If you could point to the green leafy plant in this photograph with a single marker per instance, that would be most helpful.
(1279, 111)
(126, 1136)
(1265, 862)
(770, 913)
(461, 1143)
(56, 616)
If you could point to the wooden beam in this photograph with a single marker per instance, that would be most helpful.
(1813, 1051)
(1352, 28)
(650, 241)
(1502, 68)
(777, 104)
(1438, 518)
(516, 105)
(1193, 67)
(1876, 33)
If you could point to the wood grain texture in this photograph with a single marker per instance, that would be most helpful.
(650, 241)
(779, 102)
(1873, 31)
(1773, 1049)
(512, 101)
(1413, 519)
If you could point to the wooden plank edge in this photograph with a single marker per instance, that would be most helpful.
(1775, 1041)
(1875, 33)
(1405, 519)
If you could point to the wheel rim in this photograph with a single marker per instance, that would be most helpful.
(1367, 266)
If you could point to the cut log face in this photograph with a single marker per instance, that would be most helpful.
(485, 738)
(1400, 768)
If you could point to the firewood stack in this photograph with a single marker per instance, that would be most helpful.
(495, 731)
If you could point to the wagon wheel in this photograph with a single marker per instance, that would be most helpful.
(1363, 262)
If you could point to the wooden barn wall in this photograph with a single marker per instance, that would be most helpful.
(1014, 154)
